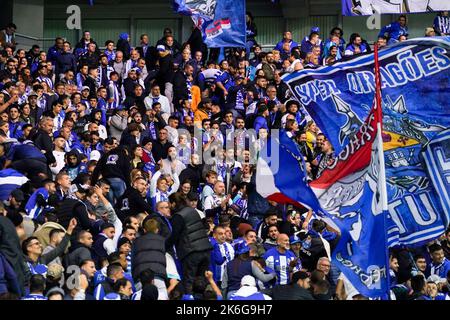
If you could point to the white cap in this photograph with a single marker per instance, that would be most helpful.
(95, 155)
(161, 48)
(248, 281)
(436, 279)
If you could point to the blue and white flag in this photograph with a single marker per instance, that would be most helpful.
(350, 194)
(437, 159)
(369, 7)
(10, 180)
(222, 22)
(415, 78)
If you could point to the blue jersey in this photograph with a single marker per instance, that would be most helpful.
(279, 262)
(15, 129)
(394, 30)
(24, 151)
(226, 79)
(32, 208)
(441, 269)
(110, 54)
(242, 204)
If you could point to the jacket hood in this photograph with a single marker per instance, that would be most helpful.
(76, 245)
(124, 36)
(75, 154)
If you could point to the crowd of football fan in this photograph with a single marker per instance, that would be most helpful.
(108, 192)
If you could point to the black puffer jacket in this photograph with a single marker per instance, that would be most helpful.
(188, 233)
(149, 252)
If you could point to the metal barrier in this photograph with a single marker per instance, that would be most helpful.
(26, 42)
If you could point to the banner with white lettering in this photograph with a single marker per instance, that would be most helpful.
(415, 92)
(369, 7)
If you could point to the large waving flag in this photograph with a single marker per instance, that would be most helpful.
(10, 180)
(353, 195)
(280, 174)
(222, 22)
(415, 79)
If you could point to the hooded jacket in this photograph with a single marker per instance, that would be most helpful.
(124, 46)
(78, 252)
(114, 164)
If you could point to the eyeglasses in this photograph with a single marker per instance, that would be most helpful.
(34, 243)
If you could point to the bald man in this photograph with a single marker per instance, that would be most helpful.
(132, 63)
(282, 260)
(217, 203)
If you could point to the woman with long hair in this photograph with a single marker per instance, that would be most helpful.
(136, 154)
(311, 134)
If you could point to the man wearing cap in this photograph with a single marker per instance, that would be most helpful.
(249, 291)
(244, 264)
(203, 112)
(35, 111)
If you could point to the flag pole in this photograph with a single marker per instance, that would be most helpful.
(382, 173)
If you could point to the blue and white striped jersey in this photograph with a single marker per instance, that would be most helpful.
(442, 24)
(279, 263)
